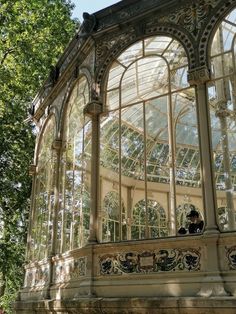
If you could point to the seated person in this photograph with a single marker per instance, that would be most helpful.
(182, 231)
(196, 224)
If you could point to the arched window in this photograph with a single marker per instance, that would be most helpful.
(73, 218)
(222, 106)
(111, 218)
(44, 195)
(149, 137)
(156, 226)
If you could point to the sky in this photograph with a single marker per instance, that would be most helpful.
(90, 6)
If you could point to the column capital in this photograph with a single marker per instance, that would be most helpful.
(93, 108)
(32, 169)
(198, 75)
(57, 144)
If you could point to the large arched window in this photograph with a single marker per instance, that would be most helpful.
(149, 137)
(41, 229)
(222, 106)
(110, 222)
(74, 213)
(156, 218)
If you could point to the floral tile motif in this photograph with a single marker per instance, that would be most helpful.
(69, 270)
(37, 276)
(150, 262)
(231, 256)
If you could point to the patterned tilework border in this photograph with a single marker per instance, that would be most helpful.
(164, 260)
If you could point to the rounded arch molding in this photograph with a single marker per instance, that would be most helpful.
(50, 116)
(82, 72)
(114, 45)
(220, 11)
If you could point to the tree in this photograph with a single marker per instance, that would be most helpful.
(33, 33)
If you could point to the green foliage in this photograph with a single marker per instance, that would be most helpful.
(33, 33)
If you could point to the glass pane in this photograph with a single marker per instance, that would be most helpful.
(157, 145)
(131, 54)
(175, 55)
(75, 162)
(44, 196)
(156, 45)
(144, 79)
(222, 106)
(179, 79)
(109, 145)
(111, 217)
(113, 99)
(114, 78)
(154, 124)
(222, 65)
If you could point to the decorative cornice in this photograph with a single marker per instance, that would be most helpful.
(191, 17)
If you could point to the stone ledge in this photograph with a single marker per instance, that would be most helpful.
(224, 305)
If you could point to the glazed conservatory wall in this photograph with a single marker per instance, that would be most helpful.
(149, 135)
(138, 135)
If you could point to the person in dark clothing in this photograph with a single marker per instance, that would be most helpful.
(197, 224)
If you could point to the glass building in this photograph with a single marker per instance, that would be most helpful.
(133, 204)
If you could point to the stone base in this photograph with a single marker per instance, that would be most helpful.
(223, 305)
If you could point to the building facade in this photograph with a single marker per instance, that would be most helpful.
(137, 129)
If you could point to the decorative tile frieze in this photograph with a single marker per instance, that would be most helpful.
(164, 260)
(231, 256)
(69, 270)
(37, 276)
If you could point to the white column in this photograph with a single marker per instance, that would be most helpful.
(199, 77)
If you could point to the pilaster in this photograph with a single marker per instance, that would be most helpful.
(93, 109)
(213, 284)
(199, 77)
(57, 146)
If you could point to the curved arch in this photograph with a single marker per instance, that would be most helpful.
(219, 12)
(156, 224)
(122, 41)
(73, 217)
(42, 217)
(111, 218)
(66, 102)
(150, 135)
(41, 135)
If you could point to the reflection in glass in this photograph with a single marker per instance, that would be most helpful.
(41, 230)
(73, 218)
(222, 105)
